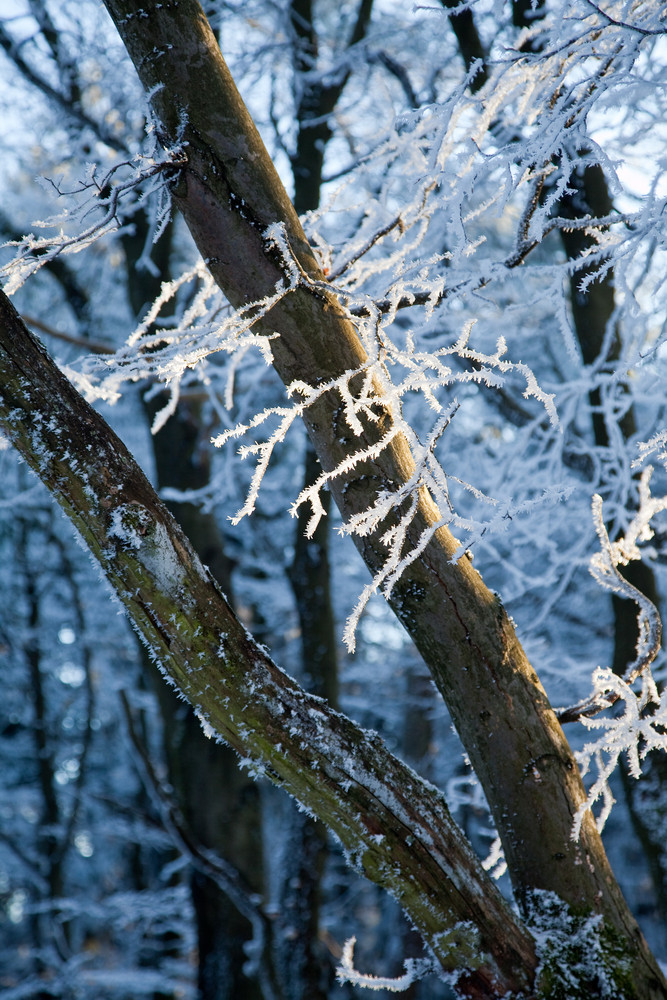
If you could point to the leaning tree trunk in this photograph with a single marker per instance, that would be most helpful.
(394, 827)
(230, 194)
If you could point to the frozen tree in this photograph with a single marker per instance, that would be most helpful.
(395, 301)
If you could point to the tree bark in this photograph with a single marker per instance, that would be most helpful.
(394, 827)
(229, 194)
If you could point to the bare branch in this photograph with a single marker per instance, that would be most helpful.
(94, 347)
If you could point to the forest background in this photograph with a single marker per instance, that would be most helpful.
(483, 186)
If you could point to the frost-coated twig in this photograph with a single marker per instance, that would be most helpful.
(604, 568)
(415, 969)
(399, 222)
(634, 733)
(104, 194)
(625, 24)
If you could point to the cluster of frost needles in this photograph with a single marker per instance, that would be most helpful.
(98, 205)
(641, 725)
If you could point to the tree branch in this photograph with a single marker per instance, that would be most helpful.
(394, 827)
(71, 109)
(92, 346)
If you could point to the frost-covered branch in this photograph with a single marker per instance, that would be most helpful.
(633, 733)
(619, 23)
(604, 568)
(415, 969)
(394, 827)
(641, 727)
(102, 197)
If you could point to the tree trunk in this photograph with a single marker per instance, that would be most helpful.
(230, 194)
(220, 804)
(394, 827)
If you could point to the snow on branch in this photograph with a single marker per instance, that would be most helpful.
(642, 725)
(656, 446)
(425, 375)
(604, 569)
(632, 733)
(415, 969)
(497, 361)
(167, 349)
(99, 197)
(263, 449)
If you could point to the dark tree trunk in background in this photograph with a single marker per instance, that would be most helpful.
(220, 802)
(599, 342)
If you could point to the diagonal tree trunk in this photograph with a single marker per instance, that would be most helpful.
(230, 194)
(459, 625)
(393, 826)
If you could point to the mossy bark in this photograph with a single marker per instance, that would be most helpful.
(394, 827)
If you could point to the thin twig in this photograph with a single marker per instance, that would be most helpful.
(93, 346)
(624, 24)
